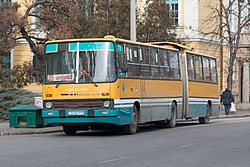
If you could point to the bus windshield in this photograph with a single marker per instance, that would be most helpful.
(80, 62)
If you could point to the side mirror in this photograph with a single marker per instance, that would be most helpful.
(123, 69)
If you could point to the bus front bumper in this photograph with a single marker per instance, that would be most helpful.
(88, 116)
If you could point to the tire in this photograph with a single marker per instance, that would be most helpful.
(206, 119)
(133, 127)
(172, 122)
(69, 130)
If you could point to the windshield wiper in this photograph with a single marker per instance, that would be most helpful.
(94, 82)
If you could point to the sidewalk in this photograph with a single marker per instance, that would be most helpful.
(237, 114)
(6, 130)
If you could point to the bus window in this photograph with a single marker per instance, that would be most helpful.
(153, 56)
(133, 65)
(140, 54)
(94, 66)
(154, 63)
(174, 65)
(127, 53)
(145, 66)
(206, 69)
(145, 56)
(198, 68)
(190, 66)
(213, 70)
(164, 64)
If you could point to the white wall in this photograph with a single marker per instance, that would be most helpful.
(188, 19)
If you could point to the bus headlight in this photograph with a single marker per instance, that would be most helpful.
(48, 105)
(106, 104)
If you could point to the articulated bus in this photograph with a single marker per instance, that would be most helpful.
(98, 83)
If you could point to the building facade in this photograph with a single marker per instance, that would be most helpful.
(196, 21)
(21, 51)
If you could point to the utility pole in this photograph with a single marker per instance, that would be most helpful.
(221, 48)
(132, 21)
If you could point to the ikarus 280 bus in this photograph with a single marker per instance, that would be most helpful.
(98, 83)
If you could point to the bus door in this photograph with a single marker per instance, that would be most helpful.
(146, 110)
(184, 76)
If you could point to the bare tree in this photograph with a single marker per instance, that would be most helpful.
(15, 26)
(8, 19)
(228, 24)
(56, 18)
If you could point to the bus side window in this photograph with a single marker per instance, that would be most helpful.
(198, 68)
(134, 64)
(164, 64)
(154, 61)
(145, 66)
(190, 66)
(206, 69)
(174, 65)
(213, 70)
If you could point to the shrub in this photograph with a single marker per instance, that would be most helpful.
(18, 77)
(11, 97)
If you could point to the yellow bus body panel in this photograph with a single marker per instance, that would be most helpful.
(198, 89)
(76, 91)
(134, 88)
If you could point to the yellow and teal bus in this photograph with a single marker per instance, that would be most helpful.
(98, 83)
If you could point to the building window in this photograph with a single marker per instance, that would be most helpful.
(6, 61)
(3, 1)
(173, 10)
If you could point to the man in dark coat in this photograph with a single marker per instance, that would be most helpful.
(227, 98)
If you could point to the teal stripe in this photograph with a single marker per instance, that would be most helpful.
(119, 48)
(85, 46)
(51, 48)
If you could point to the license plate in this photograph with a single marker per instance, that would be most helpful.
(76, 113)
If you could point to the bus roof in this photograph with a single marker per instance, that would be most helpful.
(77, 40)
(179, 46)
(201, 54)
(170, 45)
(109, 38)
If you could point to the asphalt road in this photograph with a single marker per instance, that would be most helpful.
(222, 143)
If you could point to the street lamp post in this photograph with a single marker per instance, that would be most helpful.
(132, 21)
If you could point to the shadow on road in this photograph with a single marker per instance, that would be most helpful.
(142, 129)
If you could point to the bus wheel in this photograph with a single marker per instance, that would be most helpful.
(132, 128)
(206, 119)
(69, 130)
(172, 122)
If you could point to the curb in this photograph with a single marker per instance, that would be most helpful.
(231, 116)
(28, 133)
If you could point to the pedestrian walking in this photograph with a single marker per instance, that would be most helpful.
(226, 99)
